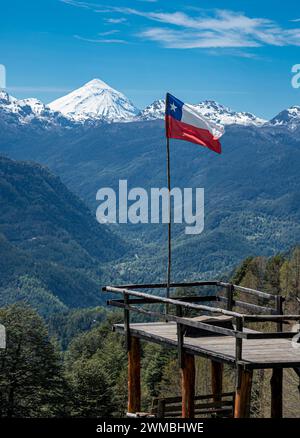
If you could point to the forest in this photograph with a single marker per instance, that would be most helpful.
(71, 364)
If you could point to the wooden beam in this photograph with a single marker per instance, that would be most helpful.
(216, 380)
(134, 371)
(276, 393)
(188, 386)
(189, 322)
(243, 395)
(254, 292)
(164, 285)
(160, 299)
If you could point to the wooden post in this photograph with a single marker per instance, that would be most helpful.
(161, 404)
(276, 393)
(134, 371)
(230, 290)
(243, 395)
(279, 310)
(216, 380)
(188, 386)
(277, 374)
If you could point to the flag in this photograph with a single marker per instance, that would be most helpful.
(184, 123)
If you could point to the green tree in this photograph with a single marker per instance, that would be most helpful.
(155, 360)
(272, 274)
(92, 395)
(31, 378)
(99, 348)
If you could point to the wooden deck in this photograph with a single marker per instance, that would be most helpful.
(257, 353)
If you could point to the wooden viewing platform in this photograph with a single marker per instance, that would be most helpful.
(217, 332)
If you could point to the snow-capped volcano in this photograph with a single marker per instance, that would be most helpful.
(210, 109)
(95, 101)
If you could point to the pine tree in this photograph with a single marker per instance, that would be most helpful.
(31, 382)
(91, 392)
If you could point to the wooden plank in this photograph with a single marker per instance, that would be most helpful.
(178, 399)
(200, 406)
(256, 354)
(188, 386)
(134, 371)
(202, 412)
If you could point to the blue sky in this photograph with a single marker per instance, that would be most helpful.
(239, 53)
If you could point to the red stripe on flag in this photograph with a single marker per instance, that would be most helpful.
(183, 131)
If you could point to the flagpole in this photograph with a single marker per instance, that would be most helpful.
(170, 218)
(169, 211)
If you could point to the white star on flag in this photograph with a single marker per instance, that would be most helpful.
(173, 106)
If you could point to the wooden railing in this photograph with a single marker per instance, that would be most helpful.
(270, 311)
(171, 407)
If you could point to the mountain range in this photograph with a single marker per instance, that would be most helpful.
(96, 102)
(52, 250)
(251, 190)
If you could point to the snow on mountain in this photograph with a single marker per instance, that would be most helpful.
(28, 111)
(289, 117)
(6, 99)
(154, 111)
(221, 114)
(95, 101)
(210, 109)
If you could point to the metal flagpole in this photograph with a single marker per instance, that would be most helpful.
(169, 211)
(170, 218)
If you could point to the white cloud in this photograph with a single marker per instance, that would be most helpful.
(101, 40)
(115, 20)
(109, 32)
(79, 4)
(204, 29)
(220, 29)
(203, 40)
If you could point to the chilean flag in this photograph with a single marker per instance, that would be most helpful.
(184, 123)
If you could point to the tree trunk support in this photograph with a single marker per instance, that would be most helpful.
(134, 371)
(243, 394)
(276, 393)
(188, 386)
